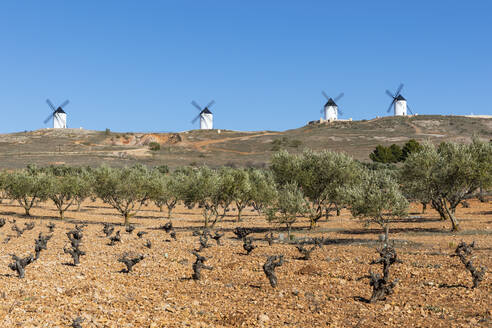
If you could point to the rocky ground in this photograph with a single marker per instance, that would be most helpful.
(327, 291)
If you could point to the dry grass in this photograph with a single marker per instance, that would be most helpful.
(197, 147)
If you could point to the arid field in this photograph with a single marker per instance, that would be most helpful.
(327, 291)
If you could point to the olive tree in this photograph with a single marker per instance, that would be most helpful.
(166, 189)
(125, 189)
(240, 190)
(27, 187)
(3, 180)
(64, 189)
(376, 199)
(447, 174)
(263, 190)
(87, 175)
(288, 204)
(320, 175)
(285, 167)
(207, 189)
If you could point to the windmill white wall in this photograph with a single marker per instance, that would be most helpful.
(206, 121)
(331, 113)
(59, 120)
(401, 107)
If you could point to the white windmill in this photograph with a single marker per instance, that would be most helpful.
(331, 110)
(59, 116)
(399, 103)
(206, 117)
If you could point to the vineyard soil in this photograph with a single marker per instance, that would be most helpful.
(329, 290)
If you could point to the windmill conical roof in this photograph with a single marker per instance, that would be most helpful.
(59, 110)
(330, 102)
(399, 97)
(206, 111)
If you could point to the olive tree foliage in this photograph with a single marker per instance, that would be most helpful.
(208, 189)
(3, 180)
(447, 174)
(376, 199)
(27, 187)
(125, 189)
(240, 189)
(285, 167)
(320, 175)
(166, 189)
(288, 204)
(67, 186)
(86, 174)
(263, 190)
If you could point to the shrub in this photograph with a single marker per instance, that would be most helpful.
(154, 146)
(295, 143)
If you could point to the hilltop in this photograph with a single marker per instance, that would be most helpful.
(225, 147)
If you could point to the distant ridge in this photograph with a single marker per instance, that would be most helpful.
(226, 147)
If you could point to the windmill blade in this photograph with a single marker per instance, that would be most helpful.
(390, 94)
(389, 108)
(324, 94)
(408, 107)
(339, 97)
(399, 90)
(49, 118)
(340, 112)
(50, 104)
(195, 119)
(196, 105)
(64, 103)
(210, 104)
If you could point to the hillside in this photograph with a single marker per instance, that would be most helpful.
(224, 147)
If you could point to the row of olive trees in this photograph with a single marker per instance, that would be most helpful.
(312, 184)
(316, 183)
(128, 189)
(65, 186)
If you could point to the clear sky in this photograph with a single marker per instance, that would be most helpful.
(137, 65)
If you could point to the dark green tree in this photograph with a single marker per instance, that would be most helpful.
(411, 146)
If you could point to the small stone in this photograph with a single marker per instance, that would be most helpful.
(195, 303)
(295, 292)
(263, 318)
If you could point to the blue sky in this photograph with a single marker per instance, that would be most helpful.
(137, 65)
